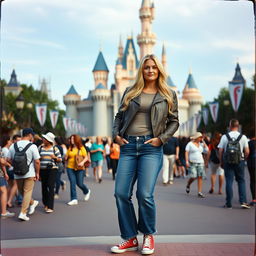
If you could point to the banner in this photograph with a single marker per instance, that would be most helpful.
(205, 115)
(54, 115)
(73, 126)
(214, 109)
(198, 119)
(235, 94)
(66, 123)
(41, 110)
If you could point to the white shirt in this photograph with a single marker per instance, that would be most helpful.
(234, 135)
(5, 152)
(32, 154)
(107, 149)
(195, 153)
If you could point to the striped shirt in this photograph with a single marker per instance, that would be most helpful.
(46, 162)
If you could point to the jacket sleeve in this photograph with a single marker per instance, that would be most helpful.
(118, 118)
(172, 122)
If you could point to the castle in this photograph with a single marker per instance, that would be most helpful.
(98, 110)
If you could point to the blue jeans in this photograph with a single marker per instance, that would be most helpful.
(76, 178)
(236, 170)
(141, 162)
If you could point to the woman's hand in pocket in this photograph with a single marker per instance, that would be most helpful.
(120, 141)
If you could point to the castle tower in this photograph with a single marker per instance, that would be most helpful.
(100, 97)
(71, 100)
(147, 39)
(44, 87)
(238, 77)
(100, 71)
(120, 49)
(13, 86)
(193, 96)
(164, 59)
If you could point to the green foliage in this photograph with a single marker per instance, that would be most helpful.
(245, 113)
(26, 116)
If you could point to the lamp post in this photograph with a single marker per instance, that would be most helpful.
(20, 101)
(30, 107)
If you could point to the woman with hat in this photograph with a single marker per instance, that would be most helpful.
(195, 162)
(50, 155)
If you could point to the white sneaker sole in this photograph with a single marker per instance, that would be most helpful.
(147, 252)
(115, 250)
(34, 208)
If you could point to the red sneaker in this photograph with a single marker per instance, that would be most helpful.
(126, 245)
(148, 245)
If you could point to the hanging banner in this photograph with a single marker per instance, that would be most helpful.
(235, 94)
(205, 115)
(66, 123)
(198, 119)
(54, 115)
(214, 109)
(73, 125)
(41, 110)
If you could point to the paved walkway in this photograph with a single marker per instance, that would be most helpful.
(189, 245)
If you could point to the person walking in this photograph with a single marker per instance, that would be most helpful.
(214, 163)
(114, 156)
(146, 119)
(25, 181)
(75, 170)
(233, 150)
(171, 154)
(49, 157)
(195, 162)
(97, 156)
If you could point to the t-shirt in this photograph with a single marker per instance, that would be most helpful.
(32, 154)
(234, 135)
(71, 154)
(195, 153)
(115, 151)
(107, 149)
(170, 147)
(5, 152)
(97, 156)
(46, 159)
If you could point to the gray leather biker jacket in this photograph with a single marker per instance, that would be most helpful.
(164, 125)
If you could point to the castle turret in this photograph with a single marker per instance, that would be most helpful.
(193, 96)
(238, 77)
(147, 39)
(120, 49)
(71, 100)
(13, 86)
(100, 97)
(100, 71)
(164, 59)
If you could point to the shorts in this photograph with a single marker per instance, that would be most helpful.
(3, 182)
(97, 163)
(216, 169)
(10, 174)
(196, 170)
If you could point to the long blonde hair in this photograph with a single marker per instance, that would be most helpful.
(139, 84)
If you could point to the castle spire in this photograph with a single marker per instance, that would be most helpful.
(147, 39)
(120, 49)
(164, 58)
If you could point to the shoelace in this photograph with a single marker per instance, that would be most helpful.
(124, 243)
(147, 241)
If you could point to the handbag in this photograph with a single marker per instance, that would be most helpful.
(78, 159)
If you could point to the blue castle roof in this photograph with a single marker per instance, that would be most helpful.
(238, 77)
(170, 82)
(100, 86)
(126, 51)
(190, 82)
(100, 64)
(72, 90)
(13, 80)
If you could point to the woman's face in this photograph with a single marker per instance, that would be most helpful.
(150, 71)
(72, 140)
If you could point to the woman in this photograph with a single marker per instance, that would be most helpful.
(214, 163)
(195, 162)
(12, 185)
(76, 171)
(147, 118)
(114, 156)
(97, 155)
(49, 157)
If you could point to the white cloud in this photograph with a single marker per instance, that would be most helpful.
(231, 44)
(21, 62)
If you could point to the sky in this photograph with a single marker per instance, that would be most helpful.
(59, 40)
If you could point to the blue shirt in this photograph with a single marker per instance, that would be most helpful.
(97, 155)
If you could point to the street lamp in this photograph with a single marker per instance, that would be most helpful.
(29, 106)
(20, 102)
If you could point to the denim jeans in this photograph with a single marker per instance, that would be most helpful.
(76, 178)
(141, 162)
(236, 170)
(58, 182)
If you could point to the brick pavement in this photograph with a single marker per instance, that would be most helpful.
(162, 249)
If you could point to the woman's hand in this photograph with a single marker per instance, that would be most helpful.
(120, 141)
(187, 164)
(156, 142)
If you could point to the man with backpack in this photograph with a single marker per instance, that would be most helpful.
(233, 150)
(24, 157)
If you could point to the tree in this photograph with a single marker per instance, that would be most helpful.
(245, 113)
(24, 116)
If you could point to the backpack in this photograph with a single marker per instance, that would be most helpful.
(214, 156)
(19, 161)
(233, 154)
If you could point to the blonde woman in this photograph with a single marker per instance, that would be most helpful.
(146, 119)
